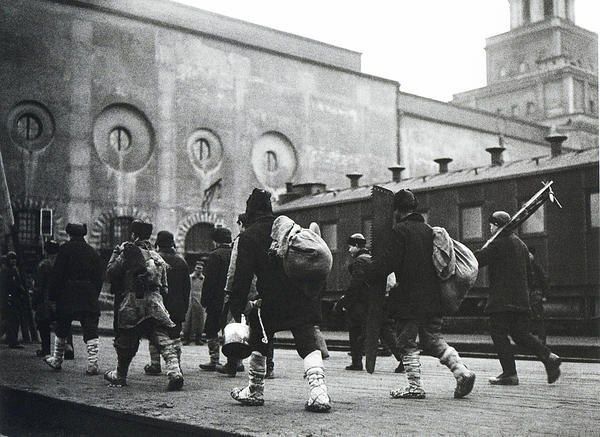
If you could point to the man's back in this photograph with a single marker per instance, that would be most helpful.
(178, 279)
(507, 259)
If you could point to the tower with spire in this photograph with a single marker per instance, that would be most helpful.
(544, 69)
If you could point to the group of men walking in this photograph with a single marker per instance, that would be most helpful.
(152, 288)
(413, 305)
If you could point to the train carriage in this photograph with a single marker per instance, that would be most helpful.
(566, 240)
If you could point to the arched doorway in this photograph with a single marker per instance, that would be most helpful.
(198, 242)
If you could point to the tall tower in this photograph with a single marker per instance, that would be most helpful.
(545, 69)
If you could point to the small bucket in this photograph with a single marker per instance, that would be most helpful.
(236, 340)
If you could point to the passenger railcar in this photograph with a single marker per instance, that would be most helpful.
(566, 240)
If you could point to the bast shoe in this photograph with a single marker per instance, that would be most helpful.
(552, 365)
(408, 393)
(175, 383)
(503, 379)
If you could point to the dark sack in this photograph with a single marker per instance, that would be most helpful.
(455, 288)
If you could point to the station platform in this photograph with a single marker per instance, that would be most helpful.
(36, 400)
(574, 349)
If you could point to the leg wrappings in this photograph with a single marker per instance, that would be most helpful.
(465, 378)
(318, 398)
(56, 359)
(253, 393)
(412, 365)
(92, 350)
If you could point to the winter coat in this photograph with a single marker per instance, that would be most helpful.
(12, 289)
(41, 294)
(408, 253)
(76, 278)
(133, 308)
(356, 298)
(507, 259)
(215, 276)
(286, 303)
(178, 278)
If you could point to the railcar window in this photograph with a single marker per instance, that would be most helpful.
(536, 223)
(367, 230)
(329, 234)
(471, 223)
(594, 210)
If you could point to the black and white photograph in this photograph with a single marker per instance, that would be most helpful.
(284, 218)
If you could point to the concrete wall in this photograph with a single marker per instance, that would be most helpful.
(88, 72)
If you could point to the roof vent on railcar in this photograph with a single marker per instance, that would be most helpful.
(496, 154)
(354, 177)
(443, 163)
(396, 170)
(555, 138)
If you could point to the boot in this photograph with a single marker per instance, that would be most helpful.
(69, 349)
(412, 365)
(118, 377)
(171, 357)
(213, 351)
(56, 359)
(231, 367)
(552, 364)
(253, 394)
(356, 364)
(400, 368)
(318, 398)
(154, 367)
(92, 350)
(465, 379)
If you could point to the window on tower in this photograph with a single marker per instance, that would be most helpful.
(548, 8)
(526, 12)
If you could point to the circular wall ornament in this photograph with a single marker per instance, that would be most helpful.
(123, 137)
(204, 150)
(30, 126)
(273, 159)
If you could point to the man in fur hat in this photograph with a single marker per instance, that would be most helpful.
(176, 301)
(285, 304)
(75, 287)
(416, 303)
(143, 274)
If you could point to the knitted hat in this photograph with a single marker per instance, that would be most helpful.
(76, 229)
(165, 239)
(221, 235)
(405, 200)
(142, 229)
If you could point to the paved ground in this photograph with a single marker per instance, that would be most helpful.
(362, 405)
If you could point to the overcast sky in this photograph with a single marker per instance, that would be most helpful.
(434, 48)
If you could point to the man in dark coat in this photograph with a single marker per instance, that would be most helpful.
(44, 310)
(143, 275)
(508, 264)
(356, 299)
(213, 293)
(12, 287)
(75, 287)
(177, 301)
(415, 301)
(284, 304)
